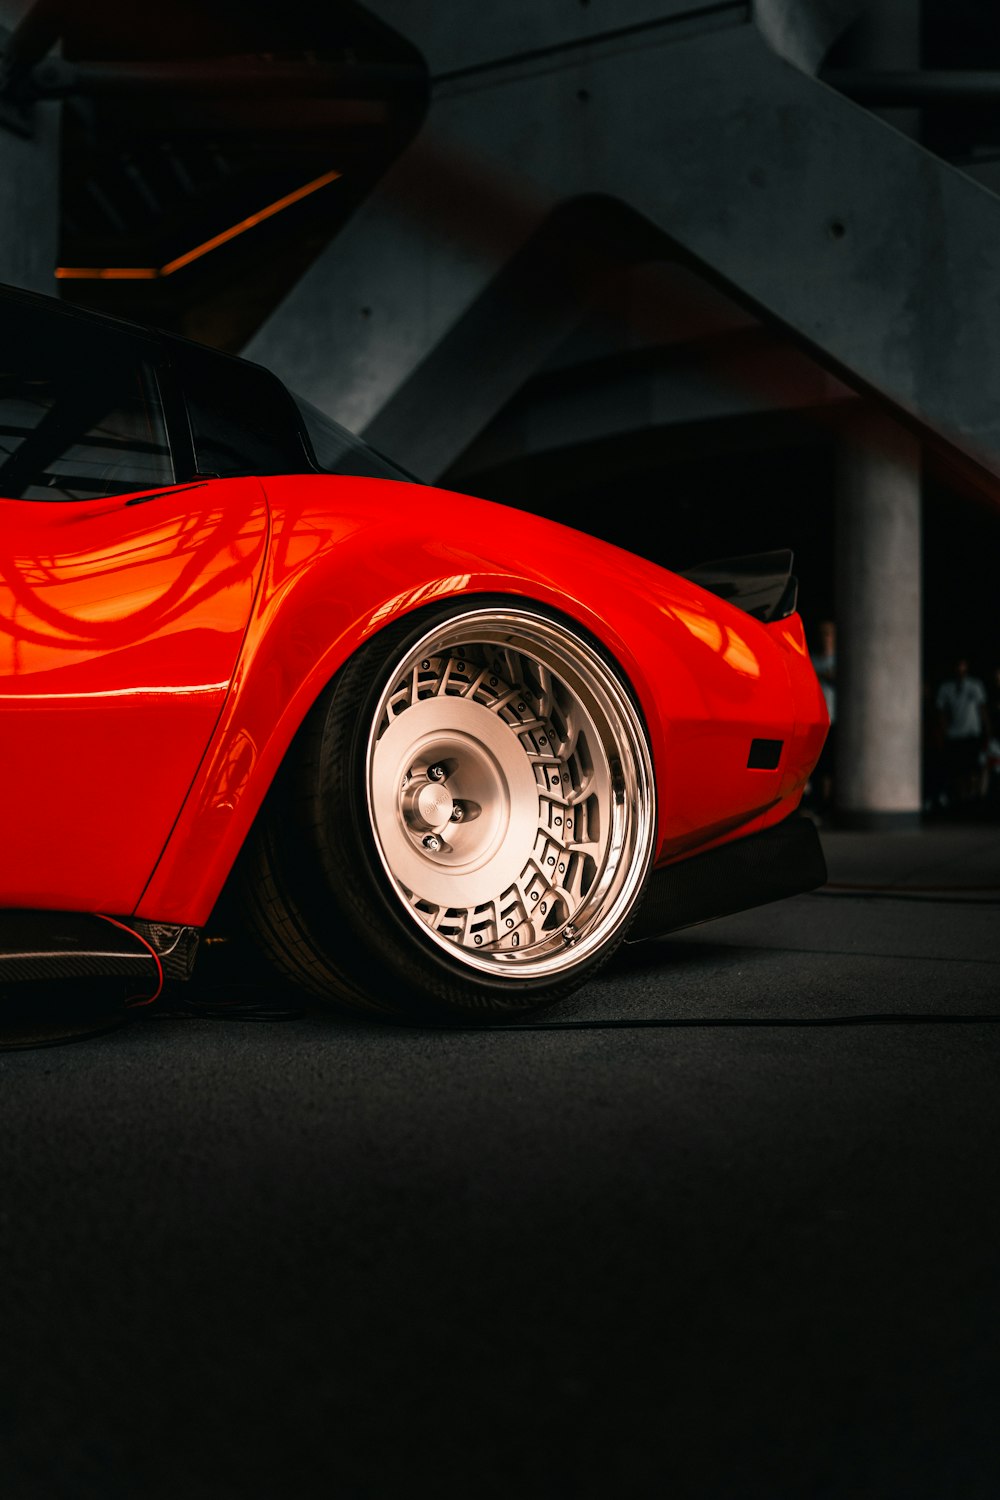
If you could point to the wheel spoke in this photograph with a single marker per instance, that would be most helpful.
(476, 685)
(501, 701)
(568, 742)
(545, 698)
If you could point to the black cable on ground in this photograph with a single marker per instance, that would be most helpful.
(945, 895)
(33, 1035)
(902, 1018)
(241, 1006)
(250, 1010)
(903, 896)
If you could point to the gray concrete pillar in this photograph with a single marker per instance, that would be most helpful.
(878, 584)
(29, 189)
(878, 714)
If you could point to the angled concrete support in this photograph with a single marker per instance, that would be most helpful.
(739, 376)
(415, 324)
(882, 259)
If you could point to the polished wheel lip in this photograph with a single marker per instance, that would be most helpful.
(628, 784)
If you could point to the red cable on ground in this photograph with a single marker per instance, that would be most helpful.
(134, 1001)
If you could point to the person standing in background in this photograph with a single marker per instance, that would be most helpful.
(965, 722)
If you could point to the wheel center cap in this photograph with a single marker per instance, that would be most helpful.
(488, 766)
(431, 806)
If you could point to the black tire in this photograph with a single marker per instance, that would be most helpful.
(416, 857)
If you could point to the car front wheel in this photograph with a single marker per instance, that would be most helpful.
(466, 821)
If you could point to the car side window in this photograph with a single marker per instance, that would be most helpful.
(242, 421)
(80, 413)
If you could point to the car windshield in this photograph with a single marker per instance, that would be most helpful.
(338, 451)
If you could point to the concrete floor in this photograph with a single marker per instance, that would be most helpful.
(753, 1254)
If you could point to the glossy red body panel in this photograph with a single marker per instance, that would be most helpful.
(121, 623)
(349, 555)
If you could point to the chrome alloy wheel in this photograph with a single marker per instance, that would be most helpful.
(510, 792)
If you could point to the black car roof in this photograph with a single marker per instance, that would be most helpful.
(88, 316)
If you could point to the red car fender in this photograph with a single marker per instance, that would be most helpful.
(121, 622)
(808, 731)
(347, 556)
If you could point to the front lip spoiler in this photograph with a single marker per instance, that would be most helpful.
(781, 861)
(45, 945)
(65, 945)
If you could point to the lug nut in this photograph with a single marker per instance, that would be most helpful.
(457, 813)
(432, 843)
(436, 773)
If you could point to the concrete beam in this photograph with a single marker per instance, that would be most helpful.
(736, 376)
(421, 259)
(491, 35)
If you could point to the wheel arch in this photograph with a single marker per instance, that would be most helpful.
(359, 877)
(306, 627)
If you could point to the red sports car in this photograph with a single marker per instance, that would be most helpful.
(443, 755)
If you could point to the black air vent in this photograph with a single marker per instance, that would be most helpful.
(764, 755)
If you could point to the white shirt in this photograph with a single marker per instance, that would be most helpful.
(960, 700)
